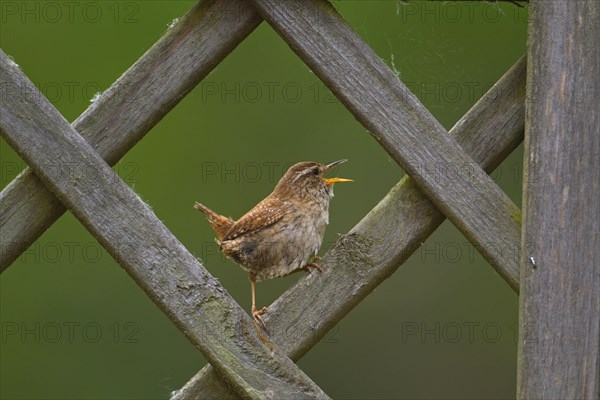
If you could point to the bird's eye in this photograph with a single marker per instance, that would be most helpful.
(315, 171)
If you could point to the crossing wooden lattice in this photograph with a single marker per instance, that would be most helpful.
(242, 361)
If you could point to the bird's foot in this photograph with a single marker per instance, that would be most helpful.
(256, 314)
(310, 265)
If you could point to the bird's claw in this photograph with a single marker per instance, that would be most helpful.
(256, 314)
(308, 266)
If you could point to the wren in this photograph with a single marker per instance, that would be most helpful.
(281, 234)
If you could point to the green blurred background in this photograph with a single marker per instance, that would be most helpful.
(74, 325)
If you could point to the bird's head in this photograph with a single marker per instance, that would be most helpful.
(308, 179)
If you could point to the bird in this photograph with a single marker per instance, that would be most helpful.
(283, 233)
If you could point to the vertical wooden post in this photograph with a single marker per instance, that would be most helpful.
(559, 355)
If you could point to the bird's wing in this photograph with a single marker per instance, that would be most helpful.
(265, 213)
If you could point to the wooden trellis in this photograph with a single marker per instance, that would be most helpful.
(242, 362)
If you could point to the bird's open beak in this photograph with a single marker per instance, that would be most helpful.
(333, 164)
(331, 181)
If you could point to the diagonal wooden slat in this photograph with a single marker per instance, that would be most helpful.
(403, 126)
(130, 108)
(559, 318)
(172, 277)
(383, 240)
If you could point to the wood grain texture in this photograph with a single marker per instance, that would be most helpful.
(402, 125)
(129, 109)
(126, 227)
(559, 346)
(385, 238)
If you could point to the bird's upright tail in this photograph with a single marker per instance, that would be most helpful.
(218, 223)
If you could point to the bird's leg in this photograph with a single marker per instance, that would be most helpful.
(257, 314)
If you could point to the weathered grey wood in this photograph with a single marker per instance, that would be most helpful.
(403, 126)
(383, 240)
(130, 108)
(126, 227)
(559, 346)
